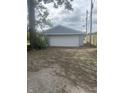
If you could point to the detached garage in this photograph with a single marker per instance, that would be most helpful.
(61, 36)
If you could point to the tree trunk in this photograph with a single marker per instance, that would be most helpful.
(31, 16)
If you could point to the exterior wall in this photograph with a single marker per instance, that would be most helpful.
(65, 40)
(81, 40)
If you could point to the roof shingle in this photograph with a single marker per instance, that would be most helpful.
(61, 30)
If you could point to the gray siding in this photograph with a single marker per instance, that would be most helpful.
(81, 40)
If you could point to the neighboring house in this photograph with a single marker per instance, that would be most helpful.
(61, 36)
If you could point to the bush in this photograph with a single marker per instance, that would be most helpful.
(41, 42)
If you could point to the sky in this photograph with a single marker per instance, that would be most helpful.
(74, 19)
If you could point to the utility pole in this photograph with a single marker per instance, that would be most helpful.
(91, 20)
(86, 19)
(86, 23)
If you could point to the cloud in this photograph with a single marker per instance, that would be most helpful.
(74, 19)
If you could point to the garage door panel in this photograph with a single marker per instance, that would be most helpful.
(64, 41)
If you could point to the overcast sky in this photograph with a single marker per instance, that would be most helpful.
(74, 19)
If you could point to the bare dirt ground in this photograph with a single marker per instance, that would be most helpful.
(62, 70)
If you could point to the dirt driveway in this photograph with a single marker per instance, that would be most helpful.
(62, 70)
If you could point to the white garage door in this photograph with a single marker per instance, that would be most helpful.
(67, 41)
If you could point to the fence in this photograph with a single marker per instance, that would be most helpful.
(93, 39)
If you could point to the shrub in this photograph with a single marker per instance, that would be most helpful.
(41, 42)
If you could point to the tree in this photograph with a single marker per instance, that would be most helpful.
(42, 14)
(31, 17)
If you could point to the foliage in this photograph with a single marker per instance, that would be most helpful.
(42, 13)
(37, 16)
(57, 3)
(41, 41)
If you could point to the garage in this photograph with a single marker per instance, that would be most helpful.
(61, 36)
(64, 40)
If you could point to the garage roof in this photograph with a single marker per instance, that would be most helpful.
(61, 30)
